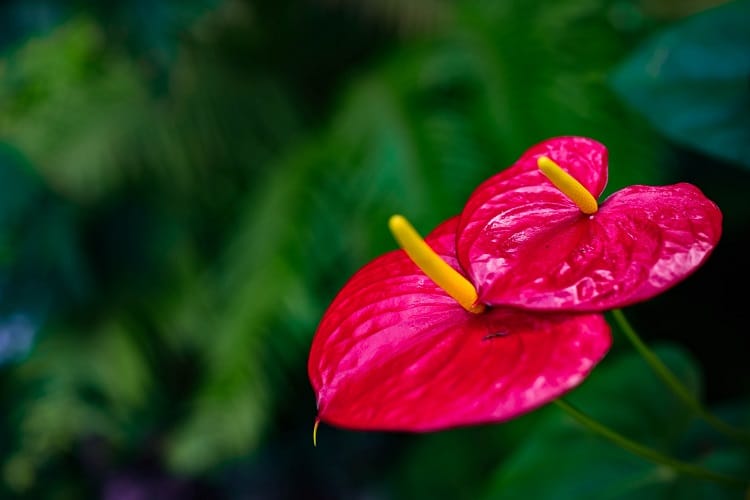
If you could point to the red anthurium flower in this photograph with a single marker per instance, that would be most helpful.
(536, 238)
(395, 351)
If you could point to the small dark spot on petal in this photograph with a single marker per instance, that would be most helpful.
(493, 335)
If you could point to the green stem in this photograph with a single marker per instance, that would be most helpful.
(674, 384)
(645, 452)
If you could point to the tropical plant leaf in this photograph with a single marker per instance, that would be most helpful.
(94, 386)
(89, 104)
(236, 304)
(690, 82)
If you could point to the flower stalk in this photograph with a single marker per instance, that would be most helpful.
(674, 384)
(647, 453)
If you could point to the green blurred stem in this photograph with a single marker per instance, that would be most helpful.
(674, 384)
(645, 452)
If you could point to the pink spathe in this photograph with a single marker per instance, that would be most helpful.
(395, 352)
(525, 244)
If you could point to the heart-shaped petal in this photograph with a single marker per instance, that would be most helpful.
(525, 246)
(497, 199)
(395, 352)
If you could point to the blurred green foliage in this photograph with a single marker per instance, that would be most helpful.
(184, 186)
(691, 82)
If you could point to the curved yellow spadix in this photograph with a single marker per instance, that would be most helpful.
(315, 432)
(433, 266)
(568, 185)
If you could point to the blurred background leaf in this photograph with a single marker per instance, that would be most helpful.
(690, 81)
(88, 102)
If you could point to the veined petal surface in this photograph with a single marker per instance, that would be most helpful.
(395, 352)
(522, 245)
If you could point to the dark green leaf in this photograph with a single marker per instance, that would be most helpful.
(691, 82)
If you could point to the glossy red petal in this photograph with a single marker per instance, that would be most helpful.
(642, 241)
(394, 352)
(497, 199)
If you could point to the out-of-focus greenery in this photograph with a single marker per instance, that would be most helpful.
(184, 186)
(691, 81)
